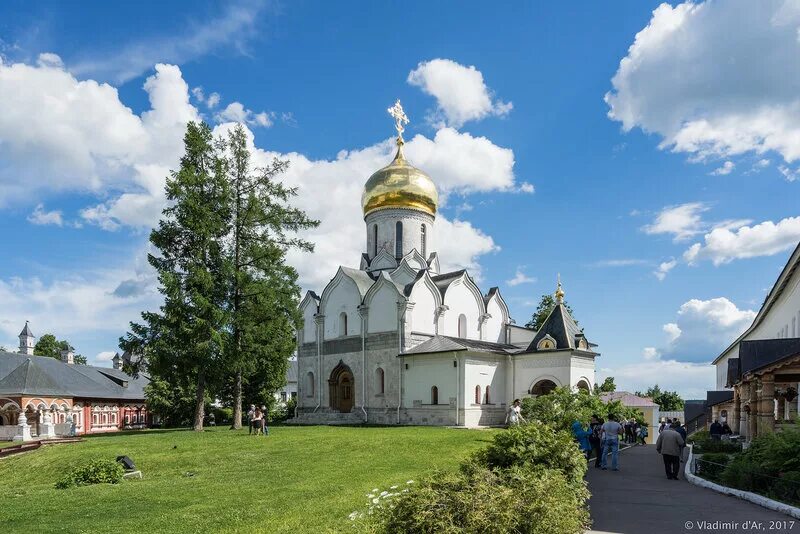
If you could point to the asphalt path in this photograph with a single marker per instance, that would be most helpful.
(639, 499)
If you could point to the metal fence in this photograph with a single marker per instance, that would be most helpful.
(779, 488)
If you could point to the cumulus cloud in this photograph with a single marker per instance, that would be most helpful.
(460, 92)
(650, 353)
(714, 79)
(42, 217)
(622, 262)
(664, 268)
(703, 328)
(682, 221)
(726, 243)
(236, 112)
(105, 356)
(520, 278)
(724, 170)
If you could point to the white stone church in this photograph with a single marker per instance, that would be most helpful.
(399, 342)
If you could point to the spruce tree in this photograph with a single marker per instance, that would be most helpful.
(187, 337)
(264, 293)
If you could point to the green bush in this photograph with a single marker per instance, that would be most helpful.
(786, 488)
(699, 436)
(561, 407)
(480, 500)
(717, 446)
(222, 415)
(534, 444)
(95, 472)
(764, 463)
(713, 464)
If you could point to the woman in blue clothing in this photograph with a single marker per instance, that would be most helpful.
(582, 437)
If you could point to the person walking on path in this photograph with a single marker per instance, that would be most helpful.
(676, 424)
(594, 439)
(250, 414)
(642, 434)
(612, 430)
(264, 426)
(669, 445)
(514, 415)
(582, 437)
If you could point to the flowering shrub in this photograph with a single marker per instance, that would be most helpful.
(95, 472)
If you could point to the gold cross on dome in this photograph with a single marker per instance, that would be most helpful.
(400, 118)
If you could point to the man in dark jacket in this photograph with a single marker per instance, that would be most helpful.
(676, 425)
(715, 430)
(594, 439)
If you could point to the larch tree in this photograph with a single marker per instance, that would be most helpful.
(264, 293)
(187, 337)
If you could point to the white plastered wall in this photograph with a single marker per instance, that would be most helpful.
(461, 300)
(426, 371)
(494, 328)
(383, 310)
(344, 297)
(422, 315)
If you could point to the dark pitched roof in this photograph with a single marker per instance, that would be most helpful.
(39, 375)
(443, 281)
(692, 409)
(560, 326)
(718, 397)
(777, 289)
(755, 354)
(26, 331)
(455, 344)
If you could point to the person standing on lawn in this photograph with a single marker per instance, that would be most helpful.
(264, 426)
(612, 430)
(250, 414)
(669, 445)
(514, 415)
(258, 421)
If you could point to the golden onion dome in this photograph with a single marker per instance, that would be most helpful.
(399, 185)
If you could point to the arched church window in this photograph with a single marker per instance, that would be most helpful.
(486, 398)
(422, 241)
(477, 394)
(434, 395)
(310, 384)
(462, 326)
(374, 240)
(379, 383)
(398, 239)
(343, 324)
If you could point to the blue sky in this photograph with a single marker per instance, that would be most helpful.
(657, 173)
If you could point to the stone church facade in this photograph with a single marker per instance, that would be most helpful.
(396, 341)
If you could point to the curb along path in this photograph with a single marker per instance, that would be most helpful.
(639, 499)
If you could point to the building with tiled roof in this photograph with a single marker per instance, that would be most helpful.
(44, 397)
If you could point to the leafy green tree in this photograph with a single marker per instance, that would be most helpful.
(668, 401)
(264, 291)
(545, 307)
(186, 338)
(49, 346)
(607, 386)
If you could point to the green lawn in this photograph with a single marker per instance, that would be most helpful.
(299, 479)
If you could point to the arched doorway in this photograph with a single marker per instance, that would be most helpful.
(341, 388)
(583, 385)
(542, 387)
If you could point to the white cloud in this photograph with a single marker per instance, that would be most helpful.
(105, 356)
(622, 262)
(724, 170)
(703, 328)
(664, 268)
(726, 243)
(682, 221)
(714, 79)
(42, 217)
(212, 101)
(460, 92)
(520, 278)
(650, 353)
(690, 380)
(790, 174)
(526, 187)
(232, 30)
(236, 112)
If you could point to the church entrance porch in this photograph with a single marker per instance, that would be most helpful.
(341, 388)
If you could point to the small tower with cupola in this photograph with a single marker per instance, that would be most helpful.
(26, 340)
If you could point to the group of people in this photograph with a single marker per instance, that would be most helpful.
(257, 420)
(602, 438)
(717, 429)
(670, 445)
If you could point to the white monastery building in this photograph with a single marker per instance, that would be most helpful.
(396, 341)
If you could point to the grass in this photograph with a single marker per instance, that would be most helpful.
(299, 479)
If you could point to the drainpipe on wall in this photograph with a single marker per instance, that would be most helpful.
(362, 310)
(458, 385)
(401, 313)
(320, 321)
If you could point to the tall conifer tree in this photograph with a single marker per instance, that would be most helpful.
(264, 293)
(187, 338)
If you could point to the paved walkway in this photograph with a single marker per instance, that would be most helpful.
(639, 499)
